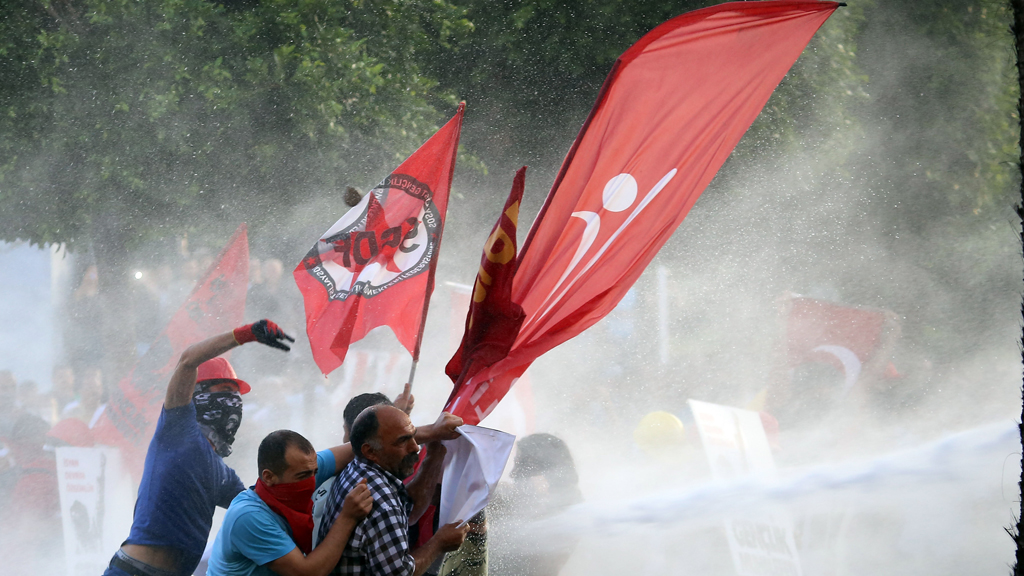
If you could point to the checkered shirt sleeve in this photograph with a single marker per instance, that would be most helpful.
(379, 544)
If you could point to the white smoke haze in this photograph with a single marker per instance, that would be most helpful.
(917, 477)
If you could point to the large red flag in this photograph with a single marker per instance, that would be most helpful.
(375, 266)
(493, 319)
(669, 114)
(216, 305)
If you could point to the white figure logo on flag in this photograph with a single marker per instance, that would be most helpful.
(619, 194)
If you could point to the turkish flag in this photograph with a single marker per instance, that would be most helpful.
(669, 114)
(494, 319)
(375, 266)
(216, 305)
(843, 336)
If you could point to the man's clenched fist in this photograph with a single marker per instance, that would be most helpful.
(264, 332)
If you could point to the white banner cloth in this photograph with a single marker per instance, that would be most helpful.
(472, 467)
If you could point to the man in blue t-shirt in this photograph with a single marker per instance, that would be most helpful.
(268, 529)
(185, 477)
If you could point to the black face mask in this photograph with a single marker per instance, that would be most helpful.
(219, 415)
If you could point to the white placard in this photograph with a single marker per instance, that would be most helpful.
(96, 501)
(762, 543)
(472, 467)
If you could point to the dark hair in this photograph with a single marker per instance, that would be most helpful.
(547, 455)
(273, 448)
(359, 403)
(365, 430)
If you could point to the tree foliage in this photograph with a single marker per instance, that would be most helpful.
(136, 116)
(124, 120)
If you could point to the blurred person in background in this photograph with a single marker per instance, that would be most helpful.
(386, 452)
(545, 483)
(268, 529)
(8, 415)
(90, 398)
(63, 389)
(76, 420)
(30, 526)
(33, 402)
(185, 477)
(8, 403)
(28, 484)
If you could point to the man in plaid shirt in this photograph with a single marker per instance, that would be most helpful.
(386, 452)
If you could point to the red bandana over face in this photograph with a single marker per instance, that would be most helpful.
(295, 503)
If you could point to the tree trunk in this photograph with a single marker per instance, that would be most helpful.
(1018, 34)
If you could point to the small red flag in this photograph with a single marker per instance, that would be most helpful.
(375, 266)
(844, 336)
(669, 114)
(493, 321)
(216, 305)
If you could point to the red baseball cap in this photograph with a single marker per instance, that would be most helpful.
(220, 369)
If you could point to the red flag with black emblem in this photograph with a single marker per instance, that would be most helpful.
(375, 266)
(669, 114)
(216, 305)
(493, 320)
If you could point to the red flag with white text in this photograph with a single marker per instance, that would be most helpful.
(216, 305)
(493, 319)
(375, 266)
(669, 114)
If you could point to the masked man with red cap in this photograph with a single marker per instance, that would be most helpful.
(185, 477)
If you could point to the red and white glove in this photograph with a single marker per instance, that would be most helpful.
(264, 332)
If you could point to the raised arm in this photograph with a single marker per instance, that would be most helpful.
(183, 381)
(421, 488)
(444, 428)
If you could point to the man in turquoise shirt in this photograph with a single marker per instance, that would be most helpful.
(268, 528)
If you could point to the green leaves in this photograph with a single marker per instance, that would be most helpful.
(160, 111)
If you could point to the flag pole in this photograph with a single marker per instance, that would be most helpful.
(437, 255)
(423, 318)
(412, 372)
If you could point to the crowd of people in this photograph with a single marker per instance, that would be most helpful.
(364, 506)
(377, 492)
(372, 520)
